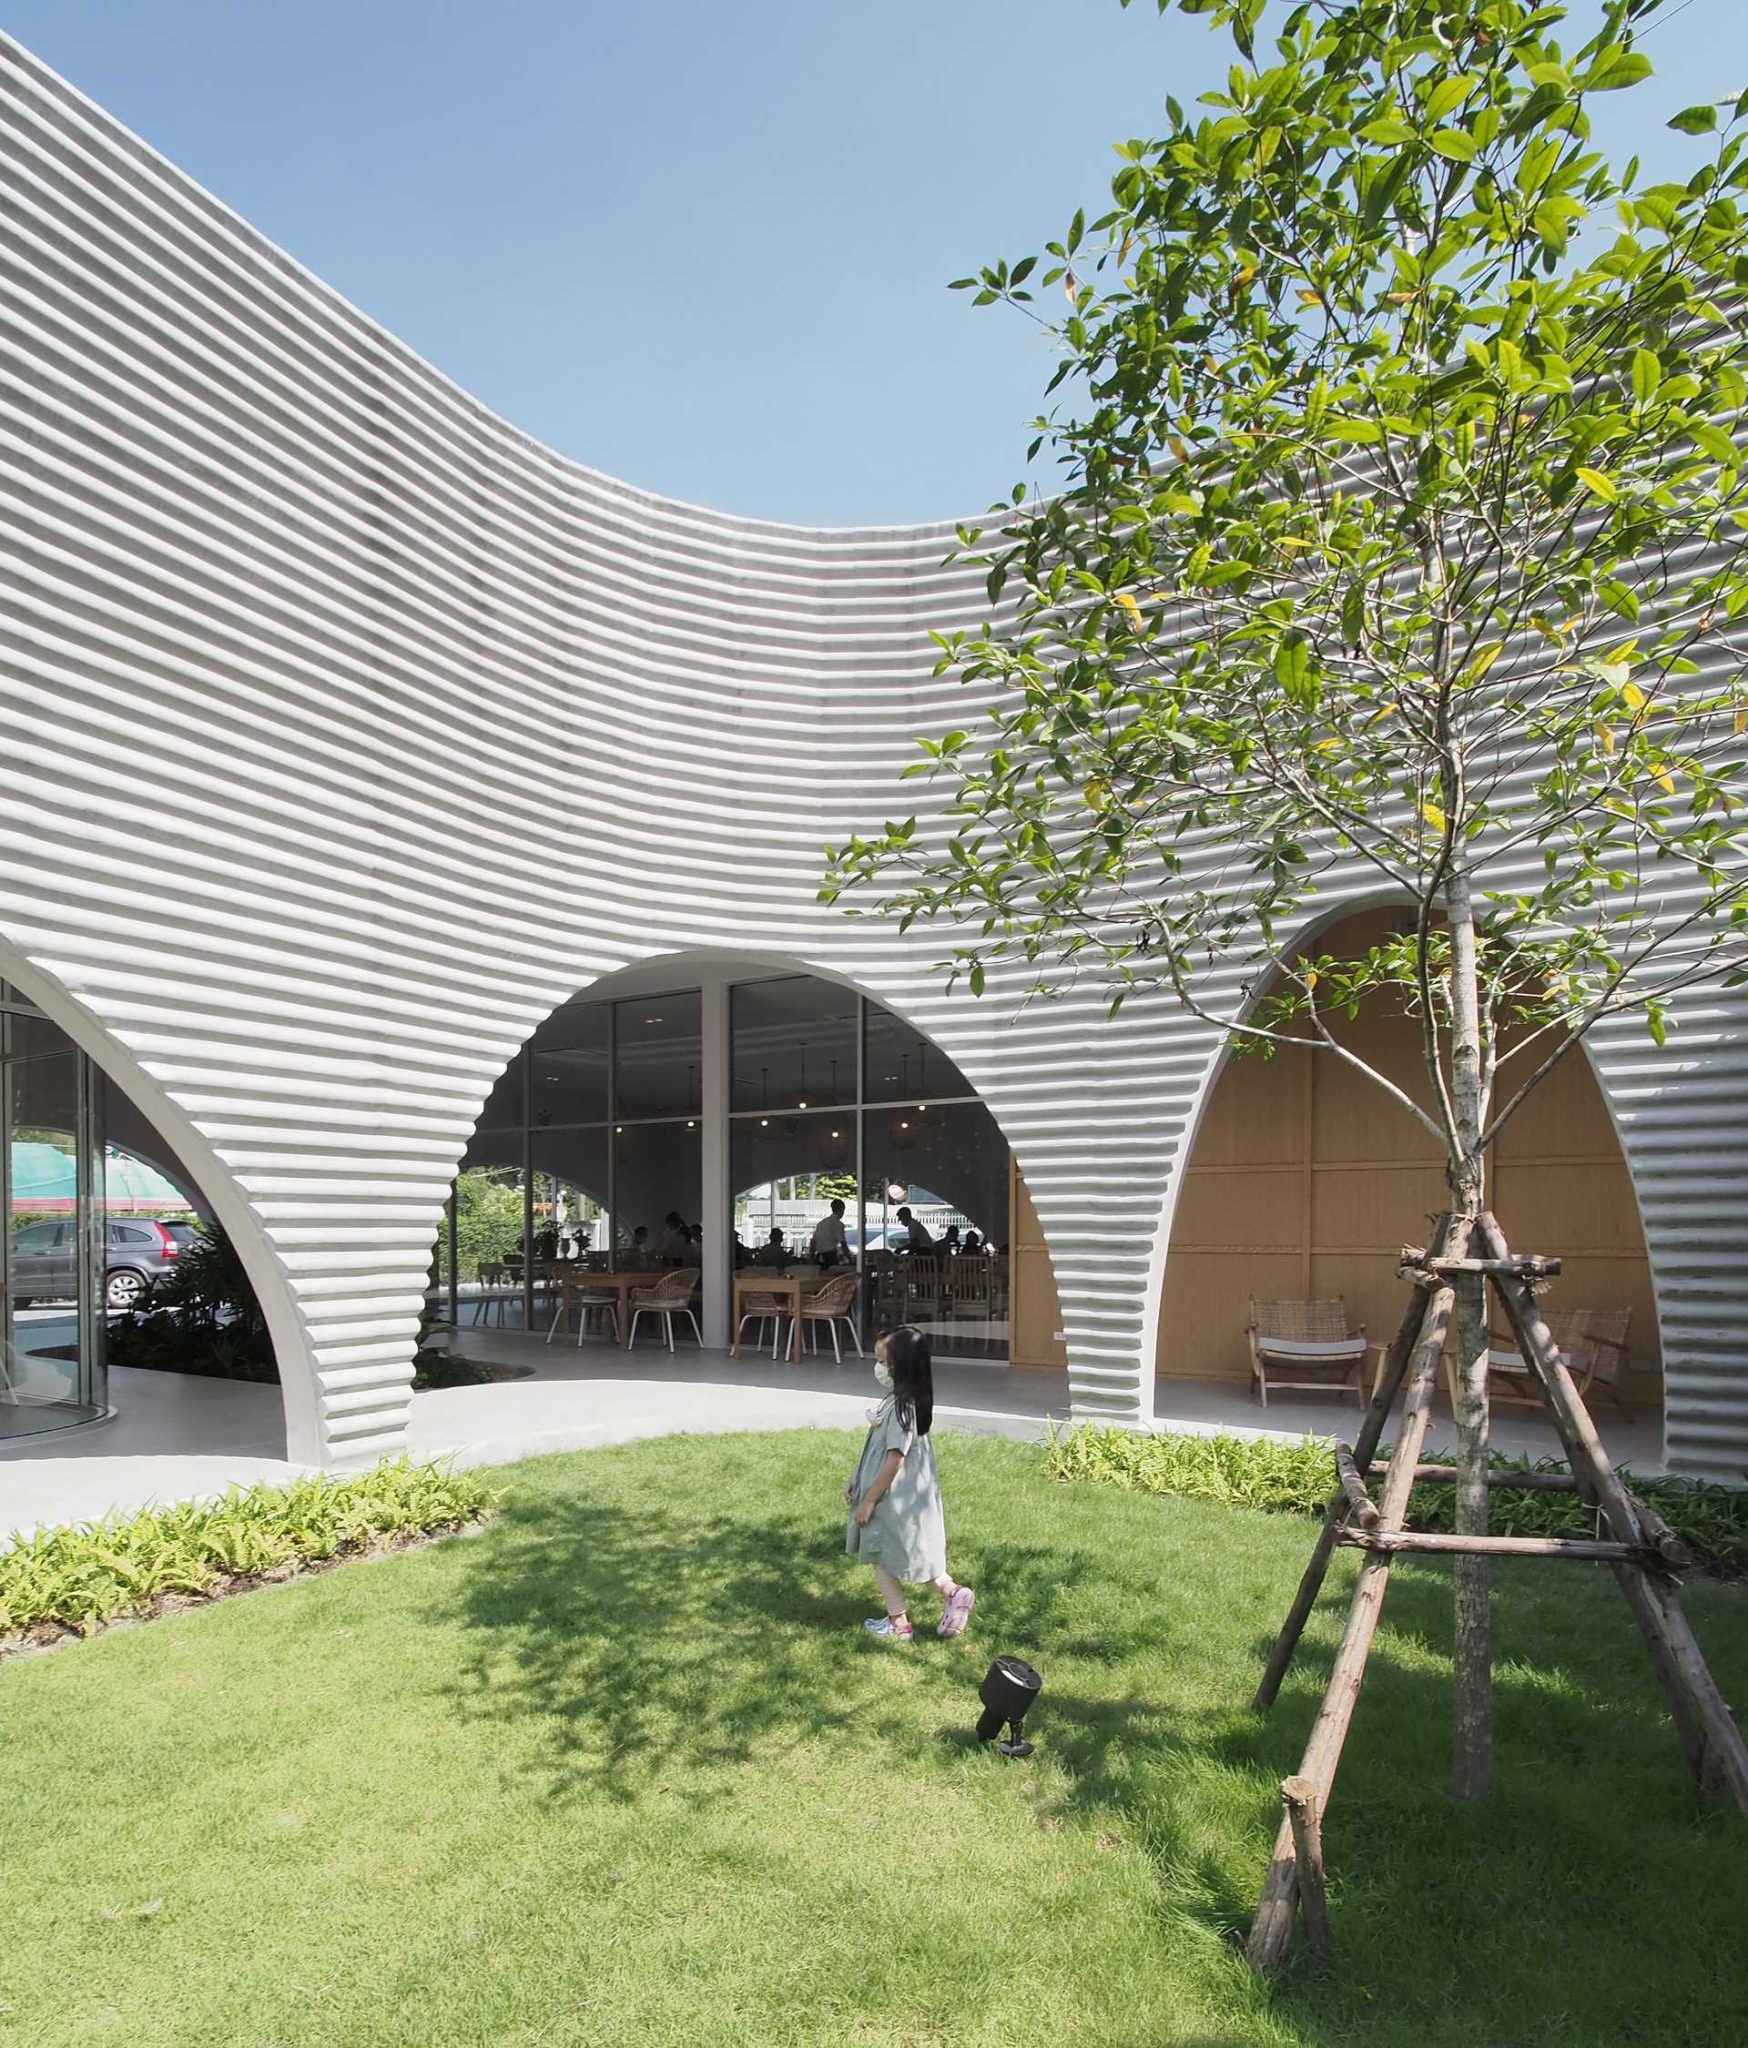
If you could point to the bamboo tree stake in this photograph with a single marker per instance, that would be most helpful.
(1299, 1797)
(1365, 1446)
(1708, 1730)
(1271, 1932)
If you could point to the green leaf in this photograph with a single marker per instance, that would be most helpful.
(1293, 664)
(1647, 375)
(1695, 120)
(1449, 93)
(1614, 68)
(1601, 486)
(1387, 130)
(1453, 144)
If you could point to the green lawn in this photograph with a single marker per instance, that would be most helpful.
(622, 1768)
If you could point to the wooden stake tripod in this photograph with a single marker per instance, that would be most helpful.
(1640, 1549)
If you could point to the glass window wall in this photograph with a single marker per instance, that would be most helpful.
(840, 1116)
(568, 1068)
(658, 1057)
(904, 1066)
(51, 1260)
(794, 1045)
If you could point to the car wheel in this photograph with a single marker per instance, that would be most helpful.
(123, 1289)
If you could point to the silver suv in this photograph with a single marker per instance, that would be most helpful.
(137, 1251)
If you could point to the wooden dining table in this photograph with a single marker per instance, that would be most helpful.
(791, 1286)
(620, 1281)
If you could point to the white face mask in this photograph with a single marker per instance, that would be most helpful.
(883, 1373)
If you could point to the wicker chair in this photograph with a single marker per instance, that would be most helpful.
(1305, 1347)
(756, 1307)
(834, 1303)
(671, 1296)
(1594, 1344)
(583, 1296)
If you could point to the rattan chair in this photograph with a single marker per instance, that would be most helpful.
(759, 1308)
(834, 1303)
(584, 1297)
(1305, 1347)
(671, 1296)
(1594, 1344)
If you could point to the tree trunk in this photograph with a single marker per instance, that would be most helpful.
(1472, 1702)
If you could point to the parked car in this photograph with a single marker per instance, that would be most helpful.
(137, 1251)
(892, 1237)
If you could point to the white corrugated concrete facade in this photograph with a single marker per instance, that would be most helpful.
(344, 731)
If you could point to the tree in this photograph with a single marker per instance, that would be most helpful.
(1398, 537)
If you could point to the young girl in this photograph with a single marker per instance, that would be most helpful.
(895, 1518)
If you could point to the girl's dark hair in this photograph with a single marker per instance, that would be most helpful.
(909, 1355)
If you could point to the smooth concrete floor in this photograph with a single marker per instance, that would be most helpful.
(175, 1437)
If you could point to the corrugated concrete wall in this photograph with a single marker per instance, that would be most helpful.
(344, 731)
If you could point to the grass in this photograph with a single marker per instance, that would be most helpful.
(621, 1768)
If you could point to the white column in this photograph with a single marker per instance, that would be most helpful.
(717, 1192)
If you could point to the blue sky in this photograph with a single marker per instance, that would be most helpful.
(705, 245)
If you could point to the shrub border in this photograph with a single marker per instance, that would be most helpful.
(1296, 1475)
(71, 1580)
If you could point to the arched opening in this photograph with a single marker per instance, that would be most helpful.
(718, 1097)
(101, 1214)
(1305, 1180)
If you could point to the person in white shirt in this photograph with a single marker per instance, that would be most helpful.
(920, 1240)
(829, 1241)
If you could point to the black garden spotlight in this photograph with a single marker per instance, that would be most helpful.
(1009, 1687)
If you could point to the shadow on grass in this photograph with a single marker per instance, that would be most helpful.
(640, 1651)
(629, 1649)
(641, 1644)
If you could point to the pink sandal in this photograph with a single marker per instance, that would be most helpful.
(957, 1611)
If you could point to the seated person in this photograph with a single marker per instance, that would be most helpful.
(773, 1252)
(675, 1242)
(974, 1243)
(638, 1252)
(949, 1245)
(829, 1242)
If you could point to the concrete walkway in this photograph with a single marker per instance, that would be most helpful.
(176, 1438)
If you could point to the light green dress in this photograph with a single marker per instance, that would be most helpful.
(907, 1531)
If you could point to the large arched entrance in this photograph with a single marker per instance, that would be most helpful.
(711, 1110)
(1305, 1180)
(101, 1213)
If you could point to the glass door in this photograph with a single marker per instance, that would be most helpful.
(51, 1340)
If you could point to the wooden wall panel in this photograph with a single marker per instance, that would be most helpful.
(1255, 1120)
(1035, 1309)
(1206, 1307)
(1307, 1179)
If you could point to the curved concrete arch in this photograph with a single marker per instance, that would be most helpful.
(1328, 915)
(214, 1183)
(345, 731)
